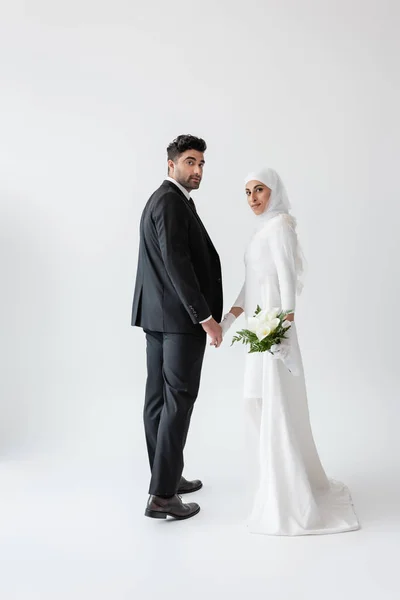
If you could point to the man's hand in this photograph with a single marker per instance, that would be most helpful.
(214, 331)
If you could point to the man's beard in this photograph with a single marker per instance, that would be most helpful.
(190, 184)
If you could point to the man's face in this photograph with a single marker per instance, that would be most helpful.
(187, 169)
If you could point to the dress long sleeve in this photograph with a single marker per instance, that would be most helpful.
(282, 239)
(240, 300)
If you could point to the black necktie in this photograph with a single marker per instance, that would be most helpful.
(192, 204)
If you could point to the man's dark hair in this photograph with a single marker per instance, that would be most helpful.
(183, 143)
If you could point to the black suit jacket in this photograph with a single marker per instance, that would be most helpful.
(178, 281)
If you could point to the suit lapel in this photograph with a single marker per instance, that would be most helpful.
(194, 212)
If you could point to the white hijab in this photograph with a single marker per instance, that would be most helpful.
(278, 204)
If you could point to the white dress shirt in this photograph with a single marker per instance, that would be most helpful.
(187, 196)
(178, 185)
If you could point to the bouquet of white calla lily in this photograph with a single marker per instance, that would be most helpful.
(265, 329)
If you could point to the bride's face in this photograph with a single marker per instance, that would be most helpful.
(258, 195)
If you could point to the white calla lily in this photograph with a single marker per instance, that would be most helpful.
(252, 324)
(273, 324)
(263, 331)
(262, 316)
(273, 313)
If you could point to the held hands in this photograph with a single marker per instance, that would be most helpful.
(214, 331)
(217, 332)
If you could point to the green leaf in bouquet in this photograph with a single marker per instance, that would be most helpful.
(253, 350)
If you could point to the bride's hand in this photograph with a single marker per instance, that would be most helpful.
(283, 352)
(280, 351)
(227, 322)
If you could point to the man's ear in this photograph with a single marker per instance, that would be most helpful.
(171, 166)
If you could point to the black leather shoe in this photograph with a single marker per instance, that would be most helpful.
(161, 508)
(187, 487)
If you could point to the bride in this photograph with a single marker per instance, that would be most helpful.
(293, 494)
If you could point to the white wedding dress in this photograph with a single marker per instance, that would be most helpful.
(293, 495)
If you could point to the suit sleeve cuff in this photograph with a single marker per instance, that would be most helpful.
(205, 320)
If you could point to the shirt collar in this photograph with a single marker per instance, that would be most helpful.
(179, 186)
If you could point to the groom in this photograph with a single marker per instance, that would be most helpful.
(177, 301)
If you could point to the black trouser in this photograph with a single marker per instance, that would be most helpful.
(174, 362)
